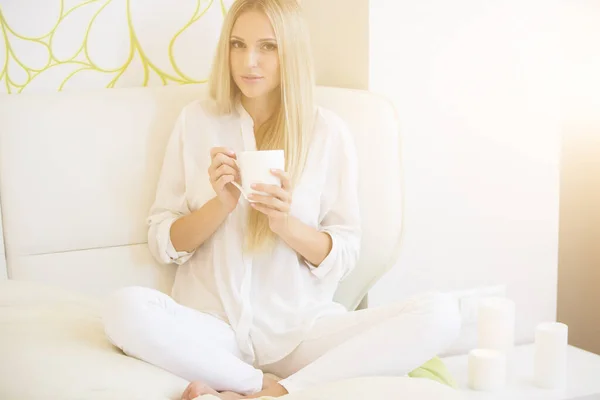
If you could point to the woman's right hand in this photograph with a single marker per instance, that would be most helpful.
(221, 172)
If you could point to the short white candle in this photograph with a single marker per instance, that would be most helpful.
(487, 369)
(550, 360)
(496, 324)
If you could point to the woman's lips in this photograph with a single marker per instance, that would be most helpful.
(251, 79)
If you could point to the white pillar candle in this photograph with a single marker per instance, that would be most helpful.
(496, 324)
(487, 369)
(550, 360)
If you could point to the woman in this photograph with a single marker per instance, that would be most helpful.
(255, 281)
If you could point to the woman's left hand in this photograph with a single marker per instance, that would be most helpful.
(277, 202)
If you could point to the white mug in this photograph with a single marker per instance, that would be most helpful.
(255, 167)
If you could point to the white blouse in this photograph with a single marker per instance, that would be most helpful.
(271, 301)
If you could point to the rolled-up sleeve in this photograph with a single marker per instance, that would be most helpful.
(340, 214)
(170, 202)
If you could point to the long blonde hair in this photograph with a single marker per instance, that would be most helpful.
(291, 125)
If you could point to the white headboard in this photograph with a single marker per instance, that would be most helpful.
(78, 172)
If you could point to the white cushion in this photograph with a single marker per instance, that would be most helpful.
(53, 347)
(78, 173)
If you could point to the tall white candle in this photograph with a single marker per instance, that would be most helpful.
(487, 369)
(496, 324)
(550, 360)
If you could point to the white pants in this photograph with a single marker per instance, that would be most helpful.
(386, 341)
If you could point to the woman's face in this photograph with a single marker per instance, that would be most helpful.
(254, 55)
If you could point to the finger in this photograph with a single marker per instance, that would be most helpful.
(286, 182)
(270, 201)
(221, 159)
(224, 169)
(265, 210)
(274, 191)
(222, 181)
(225, 150)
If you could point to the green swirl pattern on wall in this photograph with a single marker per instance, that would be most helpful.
(54, 45)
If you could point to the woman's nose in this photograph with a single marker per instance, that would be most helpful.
(251, 58)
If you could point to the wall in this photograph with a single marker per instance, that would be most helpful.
(75, 44)
(339, 32)
(579, 268)
(114, 43)
(474, 84)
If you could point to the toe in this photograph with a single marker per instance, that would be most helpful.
(198, 388)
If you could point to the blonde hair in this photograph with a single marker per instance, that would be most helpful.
(291, 125)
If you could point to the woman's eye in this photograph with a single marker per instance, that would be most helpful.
(236, 44)
(270, 46)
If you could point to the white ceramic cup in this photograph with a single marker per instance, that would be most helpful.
(255, 167)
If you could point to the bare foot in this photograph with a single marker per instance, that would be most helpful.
(270, 388)
(196, 389)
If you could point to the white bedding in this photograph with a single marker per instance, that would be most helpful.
(52, 346)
